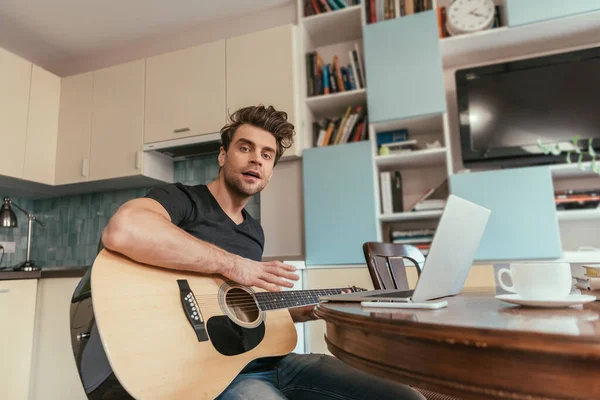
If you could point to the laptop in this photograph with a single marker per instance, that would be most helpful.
(448, 262)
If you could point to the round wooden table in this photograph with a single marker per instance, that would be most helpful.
(476, 348)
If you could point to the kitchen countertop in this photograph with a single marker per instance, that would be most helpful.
(62, 271)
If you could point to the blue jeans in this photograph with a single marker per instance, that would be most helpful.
(314, 377)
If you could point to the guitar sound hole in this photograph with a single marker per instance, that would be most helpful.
(230, 339)
(242, 307)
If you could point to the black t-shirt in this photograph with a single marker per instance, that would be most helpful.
(196, 211)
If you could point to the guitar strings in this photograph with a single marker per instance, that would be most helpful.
(284, 293)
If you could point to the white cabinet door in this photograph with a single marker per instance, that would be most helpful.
(74, 129)
(185, 93)
(17, 319)
(54, 373)
(282, 212)
(15, 81)
(261, 70)
(42, 127)
(117, 121)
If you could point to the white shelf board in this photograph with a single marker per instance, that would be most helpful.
(334, 26)
(578, 215)
(410, 216)
(507, 42)
(583, 257)
(331, 105)
(562, 171)
(413, 159)
(418, 125)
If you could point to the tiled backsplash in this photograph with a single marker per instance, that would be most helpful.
(74, 223)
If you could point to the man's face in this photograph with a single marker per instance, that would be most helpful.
(248, 164)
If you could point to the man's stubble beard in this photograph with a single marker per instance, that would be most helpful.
(238, 187)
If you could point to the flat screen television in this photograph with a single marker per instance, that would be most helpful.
(504, 108)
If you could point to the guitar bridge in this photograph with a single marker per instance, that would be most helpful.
(191, 310)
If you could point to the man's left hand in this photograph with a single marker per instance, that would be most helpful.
(306, 313)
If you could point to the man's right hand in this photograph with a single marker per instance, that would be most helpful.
(267, 275)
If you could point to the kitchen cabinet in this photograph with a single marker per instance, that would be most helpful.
(42, 127)
(15, 81)
(117, 132)
(261, 70)
(74, 129)
(185, 93)
(17, 315)
(54, 374)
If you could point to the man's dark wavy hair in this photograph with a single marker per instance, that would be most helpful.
(266, 118)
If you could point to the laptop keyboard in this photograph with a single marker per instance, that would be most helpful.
(399, 293)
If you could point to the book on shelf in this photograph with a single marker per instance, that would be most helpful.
(391, 192)
(333, 77)
(587, 283)
(577, 199)
(352, 126)
(315, 7)
(433, 199)
(592, 270)
(397, 142)
(412, 236)
(382, 10)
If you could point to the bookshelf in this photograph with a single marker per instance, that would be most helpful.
(500, 43)
(424, 167)
(332, 38)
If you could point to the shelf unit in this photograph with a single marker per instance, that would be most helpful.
(490, 46)
(331, 34)
(428, 167)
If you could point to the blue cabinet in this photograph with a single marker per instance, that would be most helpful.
(404, 68)
(339, 203)
(523, 223)
(521, 12)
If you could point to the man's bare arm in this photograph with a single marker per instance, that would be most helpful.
(142, 230)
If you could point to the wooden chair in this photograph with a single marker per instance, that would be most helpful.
(386, 264)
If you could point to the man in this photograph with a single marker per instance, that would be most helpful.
(206, 229)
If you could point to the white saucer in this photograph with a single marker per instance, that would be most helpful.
(570, 300)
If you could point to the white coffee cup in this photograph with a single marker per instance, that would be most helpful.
(538, 280)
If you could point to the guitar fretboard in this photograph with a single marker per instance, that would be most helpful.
(292, 298)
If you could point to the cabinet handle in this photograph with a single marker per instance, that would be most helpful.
(85, 167)
(138, 159)
(181, 130)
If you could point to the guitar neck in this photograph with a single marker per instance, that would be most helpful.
(292, 298)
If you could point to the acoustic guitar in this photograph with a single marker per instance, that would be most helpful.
(176, 335)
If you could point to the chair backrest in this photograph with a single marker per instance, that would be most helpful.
(386, 263)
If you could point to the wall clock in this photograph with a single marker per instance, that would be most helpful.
(468, 16)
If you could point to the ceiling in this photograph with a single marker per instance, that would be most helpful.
(45, 31)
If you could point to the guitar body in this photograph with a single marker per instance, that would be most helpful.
(175, 335)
